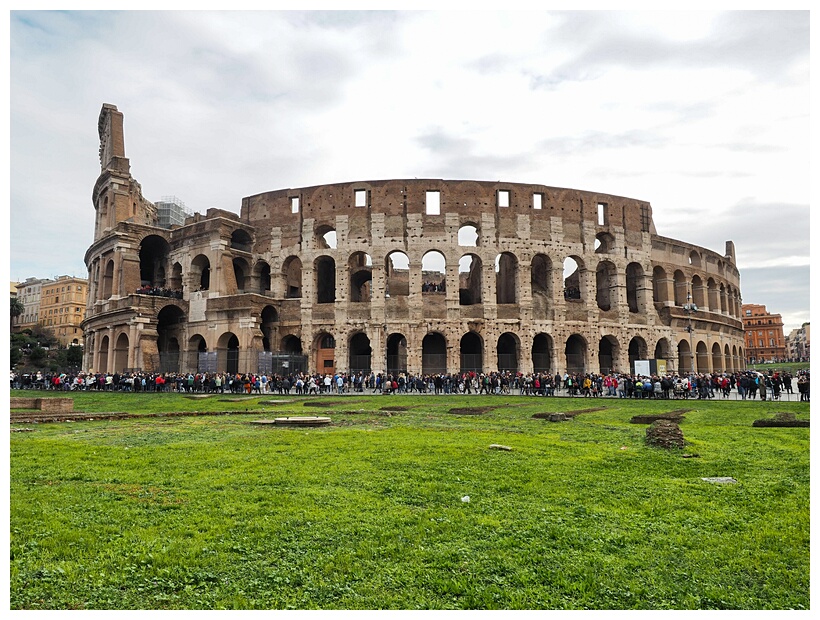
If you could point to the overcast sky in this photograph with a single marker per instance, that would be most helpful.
(704, 115)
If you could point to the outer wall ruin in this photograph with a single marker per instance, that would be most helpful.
(418, 276)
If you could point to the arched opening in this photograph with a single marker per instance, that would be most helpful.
(175, 281)
(681, 288)
(153, 259)
(261, 275)
(228, 350)
(685, 360)
(605, 285)
(103, 355)
(702, 357)
(292, 273)
(576, 354)
(397, 275)
(270, 320)
(170, 326)
(359, 353)
(634, 286)
(724, 308)
(121, 353)
(604, 243)
(325, 268)
(201, 272)
(396, 354)
(607, 354)
(433, 354)
(292, 344)
(241, 272)
(196, 346)
(433, 270)
(360, 266)
(694, 258)
(326, 237)
(469, 280)
(728, 362)
(736, 365)
(471, 351)
(468, 236)
(717, 358)
(638, 350)
(697, 292)
(542, 353)
(241, 240)
(325, 354)
(108, 280)
(506, 278)
(660, 292)
(541, 284)
(712, 295)
(662, 351)
(507, 350)
(572, 279)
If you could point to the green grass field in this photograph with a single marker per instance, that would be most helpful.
(213, 512)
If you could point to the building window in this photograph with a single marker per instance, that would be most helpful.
(503, 198)
(294, 204)
(601, 213)
(360, 197)
(537, 201)
(433, 202)
(645, 219)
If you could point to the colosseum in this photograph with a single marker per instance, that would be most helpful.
(408, 275)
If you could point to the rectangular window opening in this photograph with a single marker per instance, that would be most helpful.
(294, 205)
(601, 213)
(433, 202)
(503, 198)
(537, 201)
(360, 197)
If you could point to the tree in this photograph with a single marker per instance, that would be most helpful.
(17, 308)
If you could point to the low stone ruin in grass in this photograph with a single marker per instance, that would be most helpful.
(675, 416)
(563, 416)
(782, 419)
(665, 434)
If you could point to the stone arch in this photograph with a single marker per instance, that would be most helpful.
(635, 288)
(724, 309)
(227, 353)
(292, 274)
(508, 352)
(397, 274)
(201, 272)
(541, 285)
(506, 278)
(606, 285)
(573, 272)
(241, 240)
(121, 353)
(471, 353)
(175, 281)
(660, 292)
(575, 352)
(360, 266)
(359, 353)
(638, 350)
(542, 347)
(262, 277)
(170, 332)
(153, 254)
(728, 364)
(608, 350)
(681, 288)
(717, 358)
(326, 237)
(468, 235)
(241, 272)
(712, 296)
(269, 322)
(292, 344)
(108, 280)
(469, 280)
(433, 354)
(103, 354)
(663, 350)
(396, 354)
(324, 346)
(196, 345)
(685, 359)
(433, 272)
(698, 298)
(325, 268)
(702, 357)
(604, 243)
(694, 258)
(736, 365)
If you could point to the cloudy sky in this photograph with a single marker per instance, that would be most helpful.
(704, 115)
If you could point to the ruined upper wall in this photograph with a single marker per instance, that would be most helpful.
(395, 200)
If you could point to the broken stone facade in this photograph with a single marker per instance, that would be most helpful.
(418, 276)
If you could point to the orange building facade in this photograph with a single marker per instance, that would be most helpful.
(765, 340)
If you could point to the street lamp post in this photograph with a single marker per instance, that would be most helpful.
(689, 308)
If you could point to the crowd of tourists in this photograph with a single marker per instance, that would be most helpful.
(747, 385)
(159, 291)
